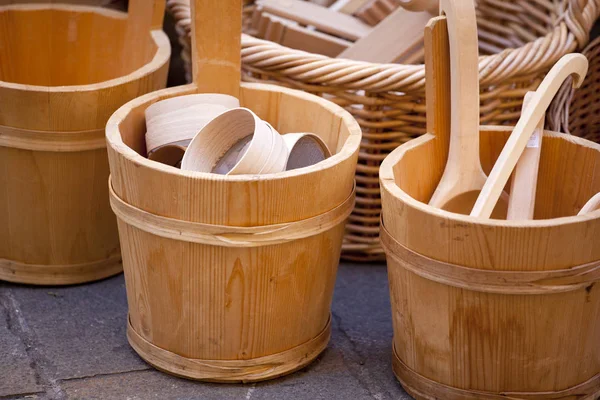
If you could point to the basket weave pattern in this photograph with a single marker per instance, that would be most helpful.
(578, 111)
(523, 39)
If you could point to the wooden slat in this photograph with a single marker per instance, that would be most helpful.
(322, 18)
(395, 39)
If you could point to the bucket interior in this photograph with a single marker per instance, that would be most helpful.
(569, 171)
(66, 45)
(291, 114)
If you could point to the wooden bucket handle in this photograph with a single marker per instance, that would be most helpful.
(216, 45)
(143, 16)
(437, 83)
(146, 15)
(575, 65)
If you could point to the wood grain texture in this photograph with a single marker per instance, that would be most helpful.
(347, 6)
(463, 175)
(231, 277)
(59, 83)
(248, 291)
(592, 205)
(524, 179)
(324, 19)
(467, 341)
(422, 388)
(420, 5)
(575, 65)
(257, 369)
(375, 11)
(210, 147)
(398, 38)
(388, 99)
(437, 90)
(216, 29)
(291, 34)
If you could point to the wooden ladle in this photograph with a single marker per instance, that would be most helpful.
(463, 175)
(592, 205)
(523, 187)
(575, 65)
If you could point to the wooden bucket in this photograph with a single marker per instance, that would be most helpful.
(495, 309)
(230, 278)
(64, 69)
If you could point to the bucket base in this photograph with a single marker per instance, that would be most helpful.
(73, 274)
(252, 370)
(422, 388)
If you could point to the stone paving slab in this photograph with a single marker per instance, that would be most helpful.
(78, 348)
(147, 385)
(81, 329)
(17, 372)
(361, 310)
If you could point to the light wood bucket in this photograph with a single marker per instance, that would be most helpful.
(494, 309)
(64, 69)
(230, 277)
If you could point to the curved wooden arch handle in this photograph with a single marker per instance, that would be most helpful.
(143, 16)
(216, 45)
(575, 65)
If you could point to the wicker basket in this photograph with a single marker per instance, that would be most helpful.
(115, 4)
(388, 99)
(578, 111)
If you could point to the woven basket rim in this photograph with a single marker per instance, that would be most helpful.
(388, 184)
(570, 33)
(559, 112)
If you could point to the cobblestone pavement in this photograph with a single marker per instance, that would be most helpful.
(70, 343)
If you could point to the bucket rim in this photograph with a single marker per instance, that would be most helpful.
(161, 56)
(388, 185)
(349, 149)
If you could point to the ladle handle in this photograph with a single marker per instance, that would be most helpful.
(592, 205)
(216, 45)
(575, 65)
(521, 204)
(464, 77)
